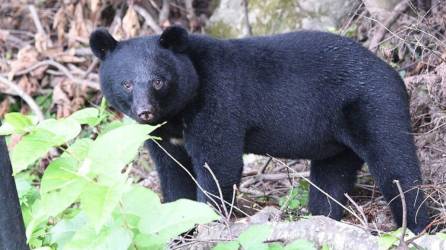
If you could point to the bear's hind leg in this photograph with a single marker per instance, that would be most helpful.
(393, 160)
(336, 176)
(381, 135)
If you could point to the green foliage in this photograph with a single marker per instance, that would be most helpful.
(85, 200)
(296, 199)
(254, 237)
(300, 245)
(392, 239)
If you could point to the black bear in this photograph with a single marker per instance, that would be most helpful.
(306, 94)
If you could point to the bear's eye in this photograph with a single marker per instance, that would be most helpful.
(127, 85)
(158, 84)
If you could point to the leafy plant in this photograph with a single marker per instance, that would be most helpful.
(254, 237)
(296, 198)
(392, 239)
(86, 199)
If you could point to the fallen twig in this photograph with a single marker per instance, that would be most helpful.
(28, 99)
(220, 193)
(36, 19)
(382, 29)
(60, 67)
(360, 210)
(402, 244)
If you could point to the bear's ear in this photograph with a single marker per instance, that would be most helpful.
(174, 38)
(101, 43)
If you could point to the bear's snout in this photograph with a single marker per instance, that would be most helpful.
(145, 114)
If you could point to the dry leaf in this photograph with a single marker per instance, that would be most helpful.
(26, 57)
(3, 35)
(59, 23)
(39, 72)
(61, 101)
(78, 30)
(4, 107)
(42, 42)
(130, 22)
(28, 85)
(63, 56)
(94, 5)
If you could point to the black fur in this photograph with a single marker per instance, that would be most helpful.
(102, 43)
(304, 94)
(174, 38)
(12, 229)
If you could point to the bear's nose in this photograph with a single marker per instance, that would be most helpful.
(145, 115)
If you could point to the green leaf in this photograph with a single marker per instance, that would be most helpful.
(113, 237)
(59, 174)
(67, 128)
(105, 128)
(254, 236)
(27, 214)
(143, 241)
(86, 116)
(386, 241)
(6, 129)
(300, 245)
(175, 218)
(325, 247)
(32, 146)
(275, 246)
(79, 149)
(19, 122)
(54, 202)
(139, 200)
(27, 192)
(103, 106)
(110, 152)
(39, 141)
(65, 229)
(99, 202)
(441, 236)
(231, 245)
(51, 204)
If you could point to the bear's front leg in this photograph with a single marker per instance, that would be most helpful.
(174, 180)
(216, 151)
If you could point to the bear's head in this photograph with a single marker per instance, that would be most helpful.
(149, 78)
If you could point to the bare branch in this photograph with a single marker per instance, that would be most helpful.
(28, 99)
(220, 193)
(148, 18)
(164, 12)
(382, 29)
(247, 30)
(60, 67)
(36, 19)
(402, 244)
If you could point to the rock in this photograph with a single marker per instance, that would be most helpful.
(277, 16)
